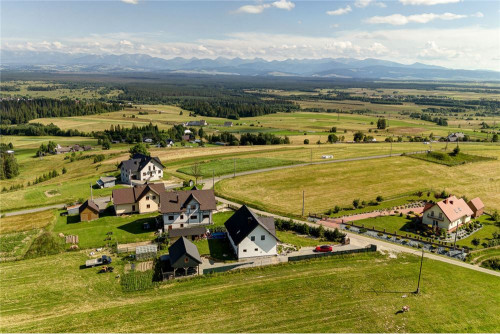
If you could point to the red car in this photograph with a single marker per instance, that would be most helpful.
(324, 249)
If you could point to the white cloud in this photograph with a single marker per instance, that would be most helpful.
(427, 2)
(478, 14)
(366, 3)
(433, 51)
(398, 19)
(132, 2)
(257, 9)
(340, 11)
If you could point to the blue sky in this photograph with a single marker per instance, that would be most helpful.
(452, 33)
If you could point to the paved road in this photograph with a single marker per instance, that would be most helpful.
(43, 208)
(360, 240)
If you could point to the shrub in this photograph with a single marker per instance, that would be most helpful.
(380, 234)
(306, 141)
(355, 203)
(99, 158)
(363, 230)
(347, 227)
(476, 242)
(379, 199)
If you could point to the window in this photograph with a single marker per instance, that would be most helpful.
(133, 207)
(153, 167)
(432, 213)
(256, 249)
(193, 217)
(182, 216)
(193, 207)
(182, 225)
(147, 198)
(154, 197)
(252, 238)
(149, 167)
(440, 215)
(148, 206)
(144, 174)
(262, 237)
(244, 251)
(170, 217)
(205, 216)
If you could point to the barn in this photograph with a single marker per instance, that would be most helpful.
(89, 211)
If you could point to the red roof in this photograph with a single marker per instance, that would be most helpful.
(453, 208)
(476, 204)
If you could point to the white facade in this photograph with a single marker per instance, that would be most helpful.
(152, 171)
(434, 217)
(258, 243)
(191, 217)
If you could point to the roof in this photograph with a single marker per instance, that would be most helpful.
(244, 221)
(454, 208)
(107, 179)
(477, 203)
(146, 249)
(138, 162)
(177, 201)
(89, 204)
(187, 231)
(181, 248)
(132, 195)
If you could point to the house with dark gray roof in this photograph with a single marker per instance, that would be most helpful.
(138, 199)
(251, 235)
(183, 259)
(142, 168)
(188, 208)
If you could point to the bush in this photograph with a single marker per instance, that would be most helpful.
(363, 230)
(306, 141)
(99, 158)
(380, 234)
(379, 199)
(46, 244)
(355, 203)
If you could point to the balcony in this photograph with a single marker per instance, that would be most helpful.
(434, 217)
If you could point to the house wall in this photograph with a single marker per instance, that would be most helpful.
(109, 184)
(152, 199)
(88, 215)
(444, 222)
(257, 247)
(192, 216)
(121, 209)
(152, 172)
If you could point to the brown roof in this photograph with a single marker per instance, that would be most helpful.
(89, 204)
(476, 204)
(177, 201)
(454, 208)
(188, 231)
(132, 195)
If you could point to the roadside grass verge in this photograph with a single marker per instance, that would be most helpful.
(283, 298)
(449, 159)
(478, 256)
(227, 166)
(27, 221)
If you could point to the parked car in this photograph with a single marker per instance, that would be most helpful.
(323, 249)
(97, 262)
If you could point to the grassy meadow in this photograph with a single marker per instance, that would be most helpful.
(363, 294)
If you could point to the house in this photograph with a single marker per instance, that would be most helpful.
(456, 136)
(141, 167)
(447, 214)
(228, 124)
(477, 207)
(251, 235)
(187, 132)
(183, 254)
(88, 211)
(75, 148)
(186, 137)
(139, 199)
(187, 208)
(106, 182)
(169, 142)
(196, 123)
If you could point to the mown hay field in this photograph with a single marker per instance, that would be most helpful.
(361, 293)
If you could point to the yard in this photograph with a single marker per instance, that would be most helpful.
(391, 224)
(363, 293)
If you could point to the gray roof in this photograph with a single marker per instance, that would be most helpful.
(138, 162)
(177, 201)
(181, 248)
(107, 179)
(244, 221)
(146, 249)
(187, 231)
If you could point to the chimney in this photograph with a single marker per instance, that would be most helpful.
(451, 202)
(445, 201)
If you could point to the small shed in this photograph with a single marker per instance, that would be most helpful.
(88, 211)
(228, 124)
(192, 233)
(183, 254)
(106, 182)
(146, 252)
(477, 207)
(73, 210)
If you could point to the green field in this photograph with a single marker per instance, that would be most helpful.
(228, 166)
(449, 159)
(363, 294)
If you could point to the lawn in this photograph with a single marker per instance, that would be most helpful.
(449, 159)
(92, 234)
(220, 218)
(292, 238)
(484, 234)
(391, 224)
(363, 293)
(228, 166)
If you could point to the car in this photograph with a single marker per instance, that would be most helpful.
(323, 249)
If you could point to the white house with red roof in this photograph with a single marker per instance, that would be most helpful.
(447, 214)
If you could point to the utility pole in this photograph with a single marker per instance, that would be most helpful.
(91, 194)
(420, 273)
(303, 202)
(213, 178)
(234, 162)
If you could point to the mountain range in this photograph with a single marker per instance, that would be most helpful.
(348, 68)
